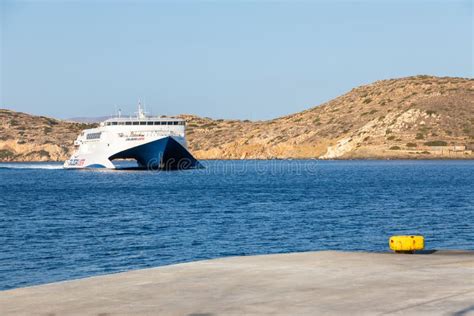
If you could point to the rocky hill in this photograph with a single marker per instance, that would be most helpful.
(399, 118)
(24, 137)
(414, 117)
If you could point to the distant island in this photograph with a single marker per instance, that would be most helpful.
(420, 117)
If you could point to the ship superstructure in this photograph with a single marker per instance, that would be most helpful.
(154, 142)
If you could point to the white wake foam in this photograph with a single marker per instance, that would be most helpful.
(11, 165)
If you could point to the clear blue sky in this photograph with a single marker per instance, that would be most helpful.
(223, 59)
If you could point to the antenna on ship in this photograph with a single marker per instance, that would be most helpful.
(118, 112)
(140, 113)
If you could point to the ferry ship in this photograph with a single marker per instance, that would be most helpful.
(156, 143)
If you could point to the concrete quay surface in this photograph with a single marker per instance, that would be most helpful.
(310, 283)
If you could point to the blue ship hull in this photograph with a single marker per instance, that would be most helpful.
(162, 154)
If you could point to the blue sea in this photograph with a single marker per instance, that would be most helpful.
(60, 224)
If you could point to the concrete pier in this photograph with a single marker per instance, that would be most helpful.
(312, 283)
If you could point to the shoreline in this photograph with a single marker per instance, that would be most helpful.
(287, 159)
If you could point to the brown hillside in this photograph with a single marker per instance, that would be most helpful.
(399, 118)
(366, 122)
(24, 137)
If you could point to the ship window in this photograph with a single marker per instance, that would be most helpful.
(93, 135)
(135, 123)
(121, 123)
(175, 123)
(149, 123)
(114, 123)
(157, 123)
(128, 123)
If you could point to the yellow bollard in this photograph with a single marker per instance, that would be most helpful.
(406, 244)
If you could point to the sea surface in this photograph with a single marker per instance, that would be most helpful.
(60, 224)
